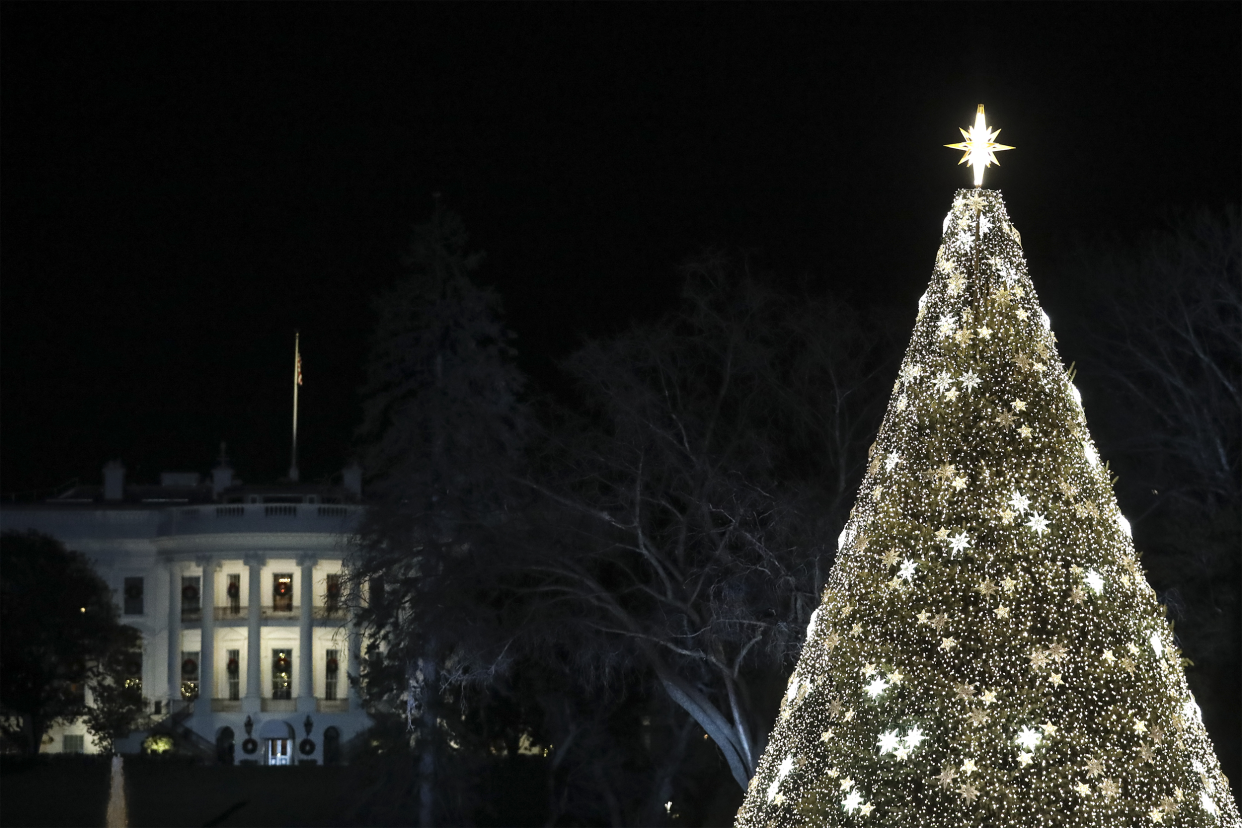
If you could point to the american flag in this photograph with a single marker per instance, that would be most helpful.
(299, 365)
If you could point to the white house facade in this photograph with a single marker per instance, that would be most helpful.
(239, 596)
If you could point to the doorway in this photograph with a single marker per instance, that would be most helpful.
(278, 751)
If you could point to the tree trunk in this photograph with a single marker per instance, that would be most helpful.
(427, 762)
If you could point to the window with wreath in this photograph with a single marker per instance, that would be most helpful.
(189, 674)
(190, 594)
(232, 594)
(282, 674)
(331, 675)
(332, 595)
(282, 592)
(232, 668)
(133, 671)
(133, 595)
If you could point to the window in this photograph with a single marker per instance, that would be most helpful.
(282, 671)
(74, 744)
(232, 666)
(189, 594)
(331, 674)
(331, 746)
(233, 593)
(133, 596)
(189, 674)
(332, 596)
(282, 592)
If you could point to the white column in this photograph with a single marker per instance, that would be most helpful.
(254, 617)
(306, 639)
(354, 665)
(207, 649)
(174, 633)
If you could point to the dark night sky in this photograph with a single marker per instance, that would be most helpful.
(185, 184)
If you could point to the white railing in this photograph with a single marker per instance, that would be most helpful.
(332, 517)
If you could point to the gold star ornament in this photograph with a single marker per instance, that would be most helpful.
(980, 148)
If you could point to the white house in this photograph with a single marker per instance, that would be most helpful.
(237, 591)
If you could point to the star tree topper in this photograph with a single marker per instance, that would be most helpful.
(979, 148)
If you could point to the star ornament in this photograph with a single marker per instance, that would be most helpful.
(980, 147)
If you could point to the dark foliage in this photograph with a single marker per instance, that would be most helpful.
(59, 634)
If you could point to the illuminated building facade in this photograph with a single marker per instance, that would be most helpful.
(238, 592)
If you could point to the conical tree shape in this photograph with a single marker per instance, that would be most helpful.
(988, 651)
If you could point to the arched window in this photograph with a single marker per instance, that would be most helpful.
(332, 746)
(224, 746)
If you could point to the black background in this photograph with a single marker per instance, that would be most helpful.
(184, 185)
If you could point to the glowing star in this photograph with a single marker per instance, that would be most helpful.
(907, 569)
(1028, 738)
(1020, 502)
(891, 461)
(1095, 581)
(1083, 789)
(969, 767)
(943, 382)
(959, 542)
(959, 483)
(988, 696)
(1157, 645)
(946, 324)
(1206, 803)
(876, 687)
(913, 738)
(970, 379)
(852, 802)
(985, 332)
(866, 809)
(1025, 431)
(1038, 522)
(1002, 611)
(888, 741)
(1025, 758)
(785, 768)
(980, 147)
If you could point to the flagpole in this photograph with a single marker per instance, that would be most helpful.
(297, 376)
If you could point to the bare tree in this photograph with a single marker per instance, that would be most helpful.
(1169, 343)
(696, 494)
(1167, 352)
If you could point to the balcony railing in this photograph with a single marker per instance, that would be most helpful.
(278, 705)
(233, 517)
(267, 613)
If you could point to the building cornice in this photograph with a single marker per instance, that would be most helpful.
(271, 544)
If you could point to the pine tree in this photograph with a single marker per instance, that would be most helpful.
(987, 650)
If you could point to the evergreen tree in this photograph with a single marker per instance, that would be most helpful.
(441, 431)
(987, 650)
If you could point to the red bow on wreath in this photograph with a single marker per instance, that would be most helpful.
(189, 667)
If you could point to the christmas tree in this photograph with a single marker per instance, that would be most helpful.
(987, 651)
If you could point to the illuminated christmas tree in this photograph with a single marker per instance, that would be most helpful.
(988, 651)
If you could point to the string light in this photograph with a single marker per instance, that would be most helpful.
(986, 563)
